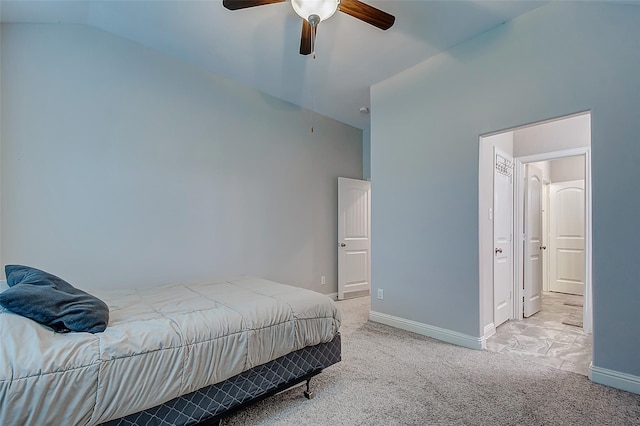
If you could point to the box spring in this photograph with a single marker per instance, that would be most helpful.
(216, 401)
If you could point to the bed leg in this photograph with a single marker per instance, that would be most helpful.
(308, 394)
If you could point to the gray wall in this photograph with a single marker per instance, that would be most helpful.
(123, 167)
(568, 133)
(563, 58)
(566, 169)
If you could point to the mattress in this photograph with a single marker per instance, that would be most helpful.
(161, 343)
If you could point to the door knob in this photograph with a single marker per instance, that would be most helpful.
(543, 247)
(342, 245)
(498, 250)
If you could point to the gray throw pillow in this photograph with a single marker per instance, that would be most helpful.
(52, 301)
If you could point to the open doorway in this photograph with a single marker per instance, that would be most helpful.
(546, 159)
(552, 215)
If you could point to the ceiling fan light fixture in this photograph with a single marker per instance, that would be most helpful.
(323, 9)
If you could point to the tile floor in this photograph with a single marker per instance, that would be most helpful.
(544, 338)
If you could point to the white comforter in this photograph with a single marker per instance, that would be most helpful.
(160, 343)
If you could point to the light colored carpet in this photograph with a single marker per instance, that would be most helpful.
(392, 377)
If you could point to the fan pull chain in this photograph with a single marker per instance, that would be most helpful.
(313, 100)
(314, 20)
(314, 72)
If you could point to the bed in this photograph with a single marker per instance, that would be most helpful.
(171, 355)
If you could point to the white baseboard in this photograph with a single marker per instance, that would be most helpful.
(615, 379)
(489, 330)
(445, 335)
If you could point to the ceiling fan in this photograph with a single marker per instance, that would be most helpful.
(313, 12)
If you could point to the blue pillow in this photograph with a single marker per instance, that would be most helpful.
(52, 301)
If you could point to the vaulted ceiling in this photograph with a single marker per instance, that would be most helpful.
(259, 46)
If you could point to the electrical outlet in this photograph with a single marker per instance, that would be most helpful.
(380, 294)
(323, 280)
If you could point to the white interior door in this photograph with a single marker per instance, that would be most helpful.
(354, 238)
(566, 242)
(502, 236)
(533, 238)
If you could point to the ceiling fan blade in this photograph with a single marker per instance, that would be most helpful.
(244, 4)
(366, 13)
(305, 39)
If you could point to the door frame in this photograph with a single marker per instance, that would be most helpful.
(519, 207)
(545, 234)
